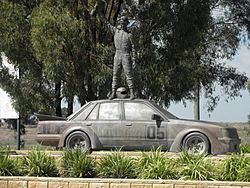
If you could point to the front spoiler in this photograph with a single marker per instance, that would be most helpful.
(227, 145)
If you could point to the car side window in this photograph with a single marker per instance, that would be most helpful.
(83, 114)
(137, 111)
(93, 114)
(109, 111)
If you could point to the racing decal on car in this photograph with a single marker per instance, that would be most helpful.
(153, 132)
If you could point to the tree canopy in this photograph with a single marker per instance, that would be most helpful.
(61, 51)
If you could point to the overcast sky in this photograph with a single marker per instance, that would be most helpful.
(233, 111)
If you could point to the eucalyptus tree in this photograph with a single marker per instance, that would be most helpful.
(180, 44)
(60, 41)
(57, 46)
(31, 91)
(65, 40)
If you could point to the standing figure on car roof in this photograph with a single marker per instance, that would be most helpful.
(125, 53)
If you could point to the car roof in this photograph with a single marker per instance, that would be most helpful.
(126, 99)
(103, 100)
(118, 99)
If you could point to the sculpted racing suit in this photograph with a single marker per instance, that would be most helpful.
(123, 55)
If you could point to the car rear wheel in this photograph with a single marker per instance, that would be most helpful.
(196, 143)
(78, 140)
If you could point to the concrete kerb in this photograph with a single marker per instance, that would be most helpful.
(50, 182)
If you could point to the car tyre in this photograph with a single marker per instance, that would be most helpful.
(78, 140)
(196, 143)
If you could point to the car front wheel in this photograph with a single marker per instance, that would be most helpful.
(78, 140)
(196, 143)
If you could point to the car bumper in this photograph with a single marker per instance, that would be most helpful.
(227, 145)
(48, 140)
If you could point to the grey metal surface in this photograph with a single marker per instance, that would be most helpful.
(125, 52)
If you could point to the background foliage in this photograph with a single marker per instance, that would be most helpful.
(61, 51)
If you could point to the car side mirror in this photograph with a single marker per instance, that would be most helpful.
(156, 117)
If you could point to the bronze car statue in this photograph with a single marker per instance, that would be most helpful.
(135, 125)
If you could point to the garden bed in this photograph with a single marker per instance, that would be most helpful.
(149, 165)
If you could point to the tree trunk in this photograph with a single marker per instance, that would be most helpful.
(58, 99)
(70, 101)
(90, 93)
(197, 103)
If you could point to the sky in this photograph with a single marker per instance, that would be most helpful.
(233, 111)
(6, 109)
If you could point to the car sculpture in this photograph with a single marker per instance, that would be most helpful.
(135, 125)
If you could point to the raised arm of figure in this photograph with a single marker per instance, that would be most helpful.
(99, 10)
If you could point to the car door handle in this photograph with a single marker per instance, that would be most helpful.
(89, 124)
(129, 124)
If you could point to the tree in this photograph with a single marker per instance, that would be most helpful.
(180, 45)
(62, 38)
(61, 51)
(31, 91)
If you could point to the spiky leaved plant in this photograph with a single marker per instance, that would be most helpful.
(8, 166)
(155, 165)
(195, 166)
(236, 167)
(116, 165)
(38, 163)
(77, 163)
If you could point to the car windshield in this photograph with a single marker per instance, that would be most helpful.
(168, 114)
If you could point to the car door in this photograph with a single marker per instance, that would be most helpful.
(105, 121)
(144, 132)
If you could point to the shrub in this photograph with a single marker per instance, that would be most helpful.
(244, 148)
(38, 163)
(76, 163)
(195, 167)
(8, 166)
(236, 167)
(155, 165)
(116, 165)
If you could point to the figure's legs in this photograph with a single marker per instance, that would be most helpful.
(116, 75)
(127, 66)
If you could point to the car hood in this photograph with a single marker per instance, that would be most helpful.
(189, 122)
(218, 129)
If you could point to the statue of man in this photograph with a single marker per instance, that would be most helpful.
(125, 53)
